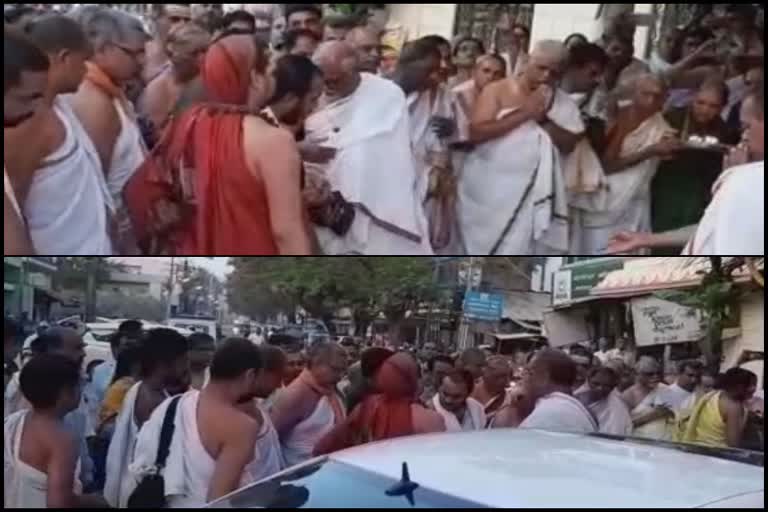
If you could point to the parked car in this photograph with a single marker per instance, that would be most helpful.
(515, 469)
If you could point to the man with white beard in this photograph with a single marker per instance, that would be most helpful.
(365, 118)
(512, 197)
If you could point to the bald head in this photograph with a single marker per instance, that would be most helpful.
(650, 93)
(338, 61)
(368, 47)
(545, 64)
(328, 363)
(60, 340)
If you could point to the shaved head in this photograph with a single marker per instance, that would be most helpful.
(545, 64)
(339, 64)
(550, 49)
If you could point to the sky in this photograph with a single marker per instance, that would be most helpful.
(218, 266)
(161, 265)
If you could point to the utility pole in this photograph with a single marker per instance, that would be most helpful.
(463, 343)
(171, 286)
(90, 289)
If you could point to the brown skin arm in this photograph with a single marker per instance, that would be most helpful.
(734, 417)
(289, 410)
(153, 104)
(61, 470)
(274, 158)
(100, 120)
(484, 126)
(15, 236)
(236, 453)
(563, 139)
(508, 417)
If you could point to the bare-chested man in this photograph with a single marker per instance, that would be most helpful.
(518, 206)
(165, 366)
(42, 472)
(487, 69)
(24, 84)
(103, 108)
(59, 181)
(220, 435)
(311, 405)
(185, 46)
(165, 17)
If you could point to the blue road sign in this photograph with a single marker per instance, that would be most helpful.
(484, 306)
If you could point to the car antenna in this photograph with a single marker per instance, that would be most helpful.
(405, 487)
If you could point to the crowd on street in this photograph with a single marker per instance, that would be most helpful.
(211, 416)
(196, 133)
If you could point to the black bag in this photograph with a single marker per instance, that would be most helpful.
(150, 493)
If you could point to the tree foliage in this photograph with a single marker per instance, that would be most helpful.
(72, 272)
(714, 297)
(323, 285)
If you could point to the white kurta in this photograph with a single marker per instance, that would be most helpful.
(373, 170)
(512, 195)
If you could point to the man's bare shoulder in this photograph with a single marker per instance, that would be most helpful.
(258, 131)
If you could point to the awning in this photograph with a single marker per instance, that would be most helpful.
(647, 275)
(517, 336)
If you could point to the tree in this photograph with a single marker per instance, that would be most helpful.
(715, 297)
(323, 285)
(85, 274)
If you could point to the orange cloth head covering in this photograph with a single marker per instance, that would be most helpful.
(226, 70)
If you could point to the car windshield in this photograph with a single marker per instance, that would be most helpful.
(331, 484)
(732, 454)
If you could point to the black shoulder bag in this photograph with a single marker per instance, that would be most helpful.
(150, 493)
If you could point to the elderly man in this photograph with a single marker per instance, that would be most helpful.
(365, 118)
(491, 389)
(645, 399)
(635, 144)
(118, 41)
(368, 47)
(550, 378)
(600, 396)
(185, 45)
(311, 405)
(518, 206)
(459, 410)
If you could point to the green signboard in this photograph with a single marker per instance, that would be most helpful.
(574, 282)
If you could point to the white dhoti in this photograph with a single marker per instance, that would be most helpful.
(612, 414)
(624, 203)
(373, 170)
(119, 483)
(512, 194)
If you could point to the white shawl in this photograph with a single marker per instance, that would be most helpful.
(734, 222)
(612, 413)
(517, 204)
(474, 416)
(373, 167)
(119, 484)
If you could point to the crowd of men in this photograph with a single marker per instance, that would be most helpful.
(242, 412)
(244, 135)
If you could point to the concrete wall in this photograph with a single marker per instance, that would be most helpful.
(424, 19)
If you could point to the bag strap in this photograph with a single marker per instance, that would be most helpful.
(166, 434)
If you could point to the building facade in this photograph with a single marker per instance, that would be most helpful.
(28, 286)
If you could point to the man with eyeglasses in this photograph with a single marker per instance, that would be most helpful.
(118, 40)
(648, 409)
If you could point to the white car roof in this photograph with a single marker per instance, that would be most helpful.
(518, 468)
